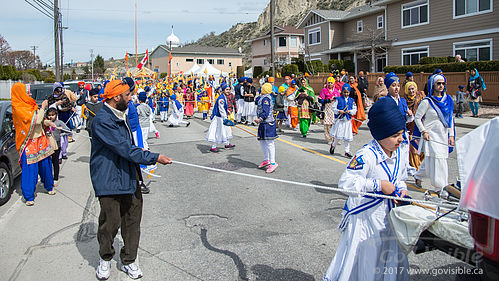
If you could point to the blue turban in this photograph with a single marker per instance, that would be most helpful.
(147, 89)
(409, 74)
(438, 71)
(390, 78)
(293, 82)
(347, 87)
(173, 97)
(142, 96)
(385, 119)
(250, 80)
(241, 80)
(224, 86)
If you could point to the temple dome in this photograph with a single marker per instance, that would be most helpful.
(173, 40)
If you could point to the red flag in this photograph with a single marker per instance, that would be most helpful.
(144, 60)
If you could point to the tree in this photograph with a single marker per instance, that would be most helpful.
(4, 50)
(374, 44)
(99, 64)
(22, 60)
(86, 69)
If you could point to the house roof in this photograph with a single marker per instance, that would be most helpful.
(200, 50)
(341, 16)
(280, 30)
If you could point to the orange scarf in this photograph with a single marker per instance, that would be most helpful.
(24, 113)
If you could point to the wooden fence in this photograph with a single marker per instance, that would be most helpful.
(454, 79)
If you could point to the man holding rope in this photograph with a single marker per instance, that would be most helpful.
(115, 174)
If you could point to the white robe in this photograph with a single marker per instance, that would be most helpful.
(368, 249)
(218, 132)
(342, 127)
(177, 115)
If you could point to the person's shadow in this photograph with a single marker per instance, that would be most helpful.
(88, 246)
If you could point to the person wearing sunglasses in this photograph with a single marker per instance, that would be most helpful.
(116, 178)
(434, 119)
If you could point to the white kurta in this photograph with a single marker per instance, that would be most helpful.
(218, 132)
(177, 115)
(434, 165)
(342, 127)
(368, 249)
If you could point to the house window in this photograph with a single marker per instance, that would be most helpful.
(474, 50)
(220, 61)
(200, 61)
(380, 21)
(230, 64)
(264, 61)
(413, 55)
(415, 13)
(211, 61)
(264, 42)
(471, 7)
(293, 41)
(282, 41)
(360, 26)
(189, 60)
(314, 36)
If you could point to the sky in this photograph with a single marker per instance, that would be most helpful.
(107, 26)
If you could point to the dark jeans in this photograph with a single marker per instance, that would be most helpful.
(117, 211)
(55, 162)
(460, 109)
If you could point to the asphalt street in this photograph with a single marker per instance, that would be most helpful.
(199, 224)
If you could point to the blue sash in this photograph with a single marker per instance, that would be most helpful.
(441, 117)
(343, 105)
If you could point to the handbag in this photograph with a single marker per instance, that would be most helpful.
(52, 141)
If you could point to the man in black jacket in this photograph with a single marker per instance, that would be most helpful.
(115, 174)
(363, 85)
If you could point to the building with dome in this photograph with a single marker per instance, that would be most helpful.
(185, 57)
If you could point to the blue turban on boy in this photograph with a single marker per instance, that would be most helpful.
(390, 78)
(224, 86)
(147, 89)
(409, 74)
(142, 96)
(385, 119)
(347, 87)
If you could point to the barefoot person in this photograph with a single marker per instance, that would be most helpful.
(115, 174)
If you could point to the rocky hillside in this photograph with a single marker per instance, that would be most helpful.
(287, 12)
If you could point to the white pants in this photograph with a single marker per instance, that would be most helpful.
(152, 127)
(163, 115)
(145, 134)
(78, 113)
(436, 169)
(240, 107)
(268, 148)
(347, 144)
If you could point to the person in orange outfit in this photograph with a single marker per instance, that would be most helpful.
(292, 108)
(357, 97)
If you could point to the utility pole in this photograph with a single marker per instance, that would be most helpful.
(272, 37)
(92, 62)
(34, 56)
(56, 40)
(61, 28)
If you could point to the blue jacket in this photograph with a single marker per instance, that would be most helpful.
(114, 159)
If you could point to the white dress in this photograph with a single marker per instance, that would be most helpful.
(177, 115)
(342, 127)
(436, 151)
(249, 108)
(218, 132)
(368, 249)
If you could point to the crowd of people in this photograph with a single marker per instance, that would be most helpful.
(413, 133)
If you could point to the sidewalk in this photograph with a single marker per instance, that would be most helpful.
(470, 122)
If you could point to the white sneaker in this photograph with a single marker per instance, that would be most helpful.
(103, 270)
(133, 270)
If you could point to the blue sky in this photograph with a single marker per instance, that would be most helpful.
(107, 26)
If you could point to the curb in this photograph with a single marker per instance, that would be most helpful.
(464, 125)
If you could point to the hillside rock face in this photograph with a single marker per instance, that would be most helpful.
(287, 12)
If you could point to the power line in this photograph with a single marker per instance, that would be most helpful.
(41, 10)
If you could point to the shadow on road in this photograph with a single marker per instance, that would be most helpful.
(267, 273)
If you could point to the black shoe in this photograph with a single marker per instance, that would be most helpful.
(188, 123)
(331, 149)
(144, 189)
(60, 161)
(246, 123)
(171, 125)
(304, 136)
(348, 155)
(64, 157)
(77, 131)
(229, 146)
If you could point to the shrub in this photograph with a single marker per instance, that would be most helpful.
(257, 70)
(435, 60)
(163, 75)
(240, 71)
(289, 69)
(335, 64)
(9, 72)
(446, 67)
(300, 63)
(315, 67)
(349, 66)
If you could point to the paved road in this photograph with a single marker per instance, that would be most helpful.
(198, 224)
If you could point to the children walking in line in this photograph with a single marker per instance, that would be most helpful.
(57, 132)
(368, 249)
(343, 107)
(266, 128)
(218, 132)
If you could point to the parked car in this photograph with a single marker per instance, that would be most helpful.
(41, 92)
(9, 157)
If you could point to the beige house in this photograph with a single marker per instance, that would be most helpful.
(400, 32)
(288, 44)
(183, 58)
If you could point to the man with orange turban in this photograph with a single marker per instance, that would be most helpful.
(116, 178)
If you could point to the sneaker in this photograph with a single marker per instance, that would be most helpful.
(214, 150)
(171, 125)
(331, 149)
(271, 168)
(229, 146)
(348, 155)
(144, 189)
(56, 183)
(103, 270)
(188, 123)
(133, 270)
(52, 192)
(30, 203)
(264, 164)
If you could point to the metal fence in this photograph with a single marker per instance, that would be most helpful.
(5, 86)
(454, 79)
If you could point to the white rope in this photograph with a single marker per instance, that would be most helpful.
(352, 192)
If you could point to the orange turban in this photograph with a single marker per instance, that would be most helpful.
(114, 88)
(306, 74)
(271, 79)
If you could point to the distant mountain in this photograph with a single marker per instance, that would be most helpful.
(287, 12)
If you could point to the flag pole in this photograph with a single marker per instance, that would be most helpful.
(136, 60)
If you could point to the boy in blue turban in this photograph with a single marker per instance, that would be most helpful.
(343, 107)
(368, 249)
